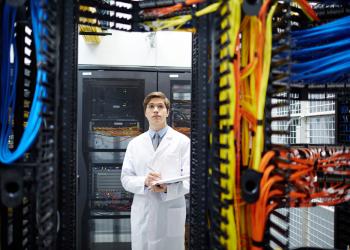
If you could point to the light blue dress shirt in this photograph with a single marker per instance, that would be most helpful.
(161, 133)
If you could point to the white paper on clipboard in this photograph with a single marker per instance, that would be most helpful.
(172, 180)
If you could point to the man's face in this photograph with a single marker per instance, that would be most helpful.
(156, 113)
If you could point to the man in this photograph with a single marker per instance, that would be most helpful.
(158, 212)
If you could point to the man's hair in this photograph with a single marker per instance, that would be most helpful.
(152, 95)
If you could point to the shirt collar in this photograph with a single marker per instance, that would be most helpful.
(161, 132)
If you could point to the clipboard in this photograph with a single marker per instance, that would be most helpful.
(172, 180)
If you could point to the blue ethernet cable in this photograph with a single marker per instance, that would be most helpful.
(321, 54)
(331, 32)
(344, 21)
(8, 84)
(322, 50)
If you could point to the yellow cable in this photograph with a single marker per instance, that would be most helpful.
(254, 24)
(209, 9)
(86, 28)
(262, 93)
(178, 21)
(250, 71)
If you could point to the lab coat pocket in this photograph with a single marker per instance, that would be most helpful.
(176, 222)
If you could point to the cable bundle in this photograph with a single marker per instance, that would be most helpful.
(153, 13)
(300, 178)
(253, 70)
(321, 53)
(9, 82)
(8, 90)
(255, 59)
(242, 60)
(176, 22)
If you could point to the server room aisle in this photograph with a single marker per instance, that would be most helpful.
(261, 88)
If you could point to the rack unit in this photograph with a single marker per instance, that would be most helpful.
(176, 86)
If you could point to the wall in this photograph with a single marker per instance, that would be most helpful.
(164, 48)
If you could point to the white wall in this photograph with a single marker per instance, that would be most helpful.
(166, 48)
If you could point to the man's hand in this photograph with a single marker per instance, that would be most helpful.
(151, 177)
(162, 188)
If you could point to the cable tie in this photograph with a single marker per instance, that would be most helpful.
(227, 58)
(226, 129)
(228, 201)
(225, 44)
(258, 243)
(224, 102)
(225, 15)
(224, 117)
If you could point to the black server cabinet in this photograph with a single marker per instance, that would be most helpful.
(177, 87)
(110, 114)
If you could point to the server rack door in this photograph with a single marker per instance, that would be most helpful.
(110, 114)
(177, 87)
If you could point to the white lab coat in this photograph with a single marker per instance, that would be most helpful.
(157, 219)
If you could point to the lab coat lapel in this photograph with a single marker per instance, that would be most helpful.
(164, 144)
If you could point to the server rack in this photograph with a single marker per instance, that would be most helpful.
(110, 114)
(291, 230)
(177, 86)
(108, 101)
(28, 185)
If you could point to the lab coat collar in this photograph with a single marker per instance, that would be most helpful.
(161, 132)
(165, 141)
(163, 146)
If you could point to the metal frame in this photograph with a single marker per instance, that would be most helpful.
(67, 122)
(199, 237)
